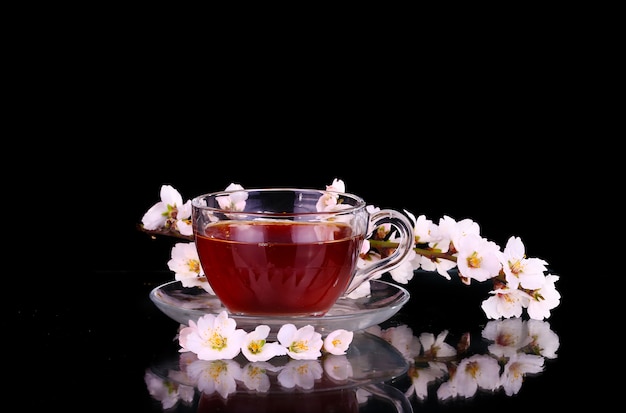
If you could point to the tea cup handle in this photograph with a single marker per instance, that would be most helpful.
(405, 244)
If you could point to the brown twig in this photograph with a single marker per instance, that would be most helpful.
(168, 232)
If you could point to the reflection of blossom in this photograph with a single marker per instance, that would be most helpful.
(507, 336)
(402, 338)
(478, 371)
(362, 395)
(518, 366)
(515, 348)
(337, 367)
(436, 346)
(300, 373)
(422, 377)
(515, 335)
(543, 341)
(215, 376)
(226, 377)
(254, 376)
(168, 392)
(302, 343)
(181, 375)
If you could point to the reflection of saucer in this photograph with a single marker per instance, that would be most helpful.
(357, 381)
(381, 398)
(371, 359)
(182, 304)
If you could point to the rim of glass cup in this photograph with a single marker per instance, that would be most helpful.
(359, 203)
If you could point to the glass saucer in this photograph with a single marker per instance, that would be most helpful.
(183, 304)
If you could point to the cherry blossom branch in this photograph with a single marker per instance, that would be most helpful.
(377, 244)
(519, 282)
(382, 245)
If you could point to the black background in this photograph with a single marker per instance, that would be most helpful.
(492, 146)
(100, 331)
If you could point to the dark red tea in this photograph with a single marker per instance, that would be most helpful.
(278, 267)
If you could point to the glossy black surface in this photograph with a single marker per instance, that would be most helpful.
(93, 350)
(83, 331)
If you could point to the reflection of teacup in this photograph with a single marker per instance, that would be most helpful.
(343, 400)
(292, 252)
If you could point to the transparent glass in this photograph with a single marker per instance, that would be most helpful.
(288, 251)
(190, 303)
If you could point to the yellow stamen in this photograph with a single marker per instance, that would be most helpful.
(472, 369)
(216, 369)
(255, 347)
(217, 341)
(516, 267)
(473, 261)
(194, 266)
(298, 346)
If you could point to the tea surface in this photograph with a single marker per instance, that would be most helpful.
(278, 267)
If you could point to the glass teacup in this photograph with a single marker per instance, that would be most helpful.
(286, 251)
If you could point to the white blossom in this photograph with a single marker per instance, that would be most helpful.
(505, 302)
(212, 337)
(521, 283)
(170, 212)
(235, 201)
(478, 258)
(186, 266)
(256, 347)
(302, 343)
(519, 270)
(544, 299)
(338, 341)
